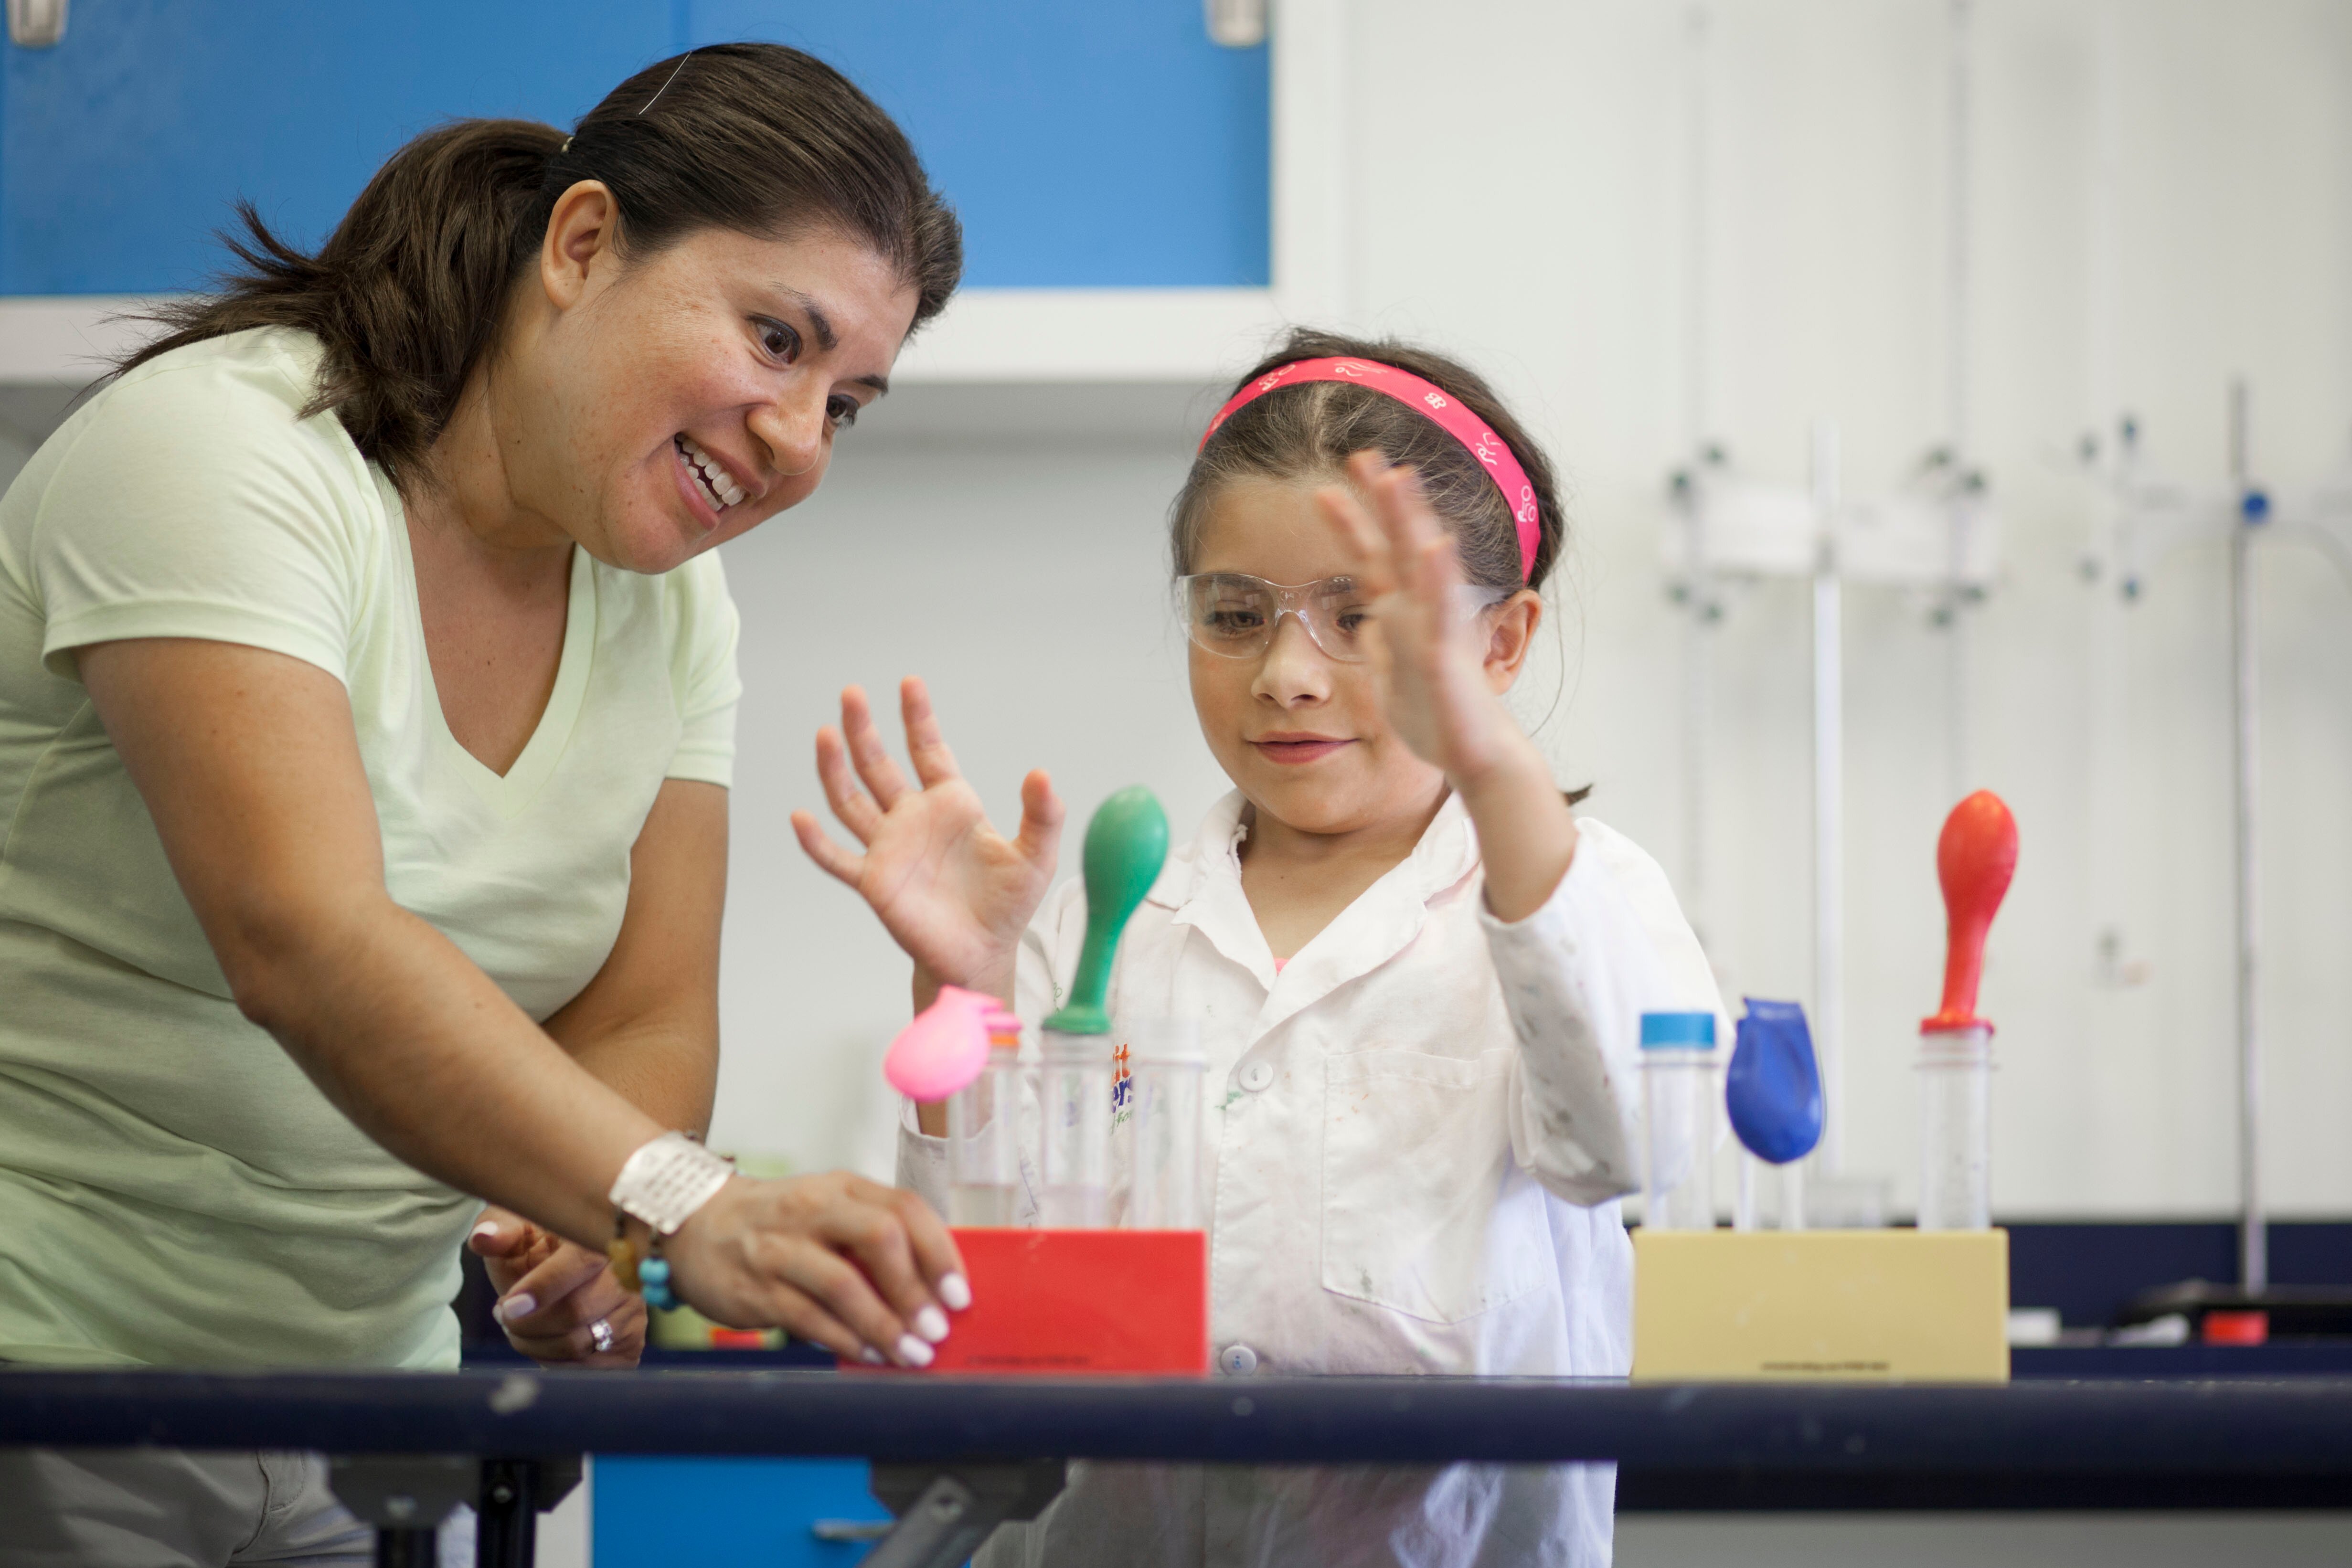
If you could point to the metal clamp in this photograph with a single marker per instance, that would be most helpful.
(514, 1493)
(407, 1496)
(945, 1511)
(37, 24)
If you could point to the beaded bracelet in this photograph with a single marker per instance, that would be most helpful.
(663, 1183)
(648, 1276)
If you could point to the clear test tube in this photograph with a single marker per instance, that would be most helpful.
(984, 1133)
(1164, 1095)
(1678, 1101)
(1746, 1211)
(1955, 1128)
(1075, 1158)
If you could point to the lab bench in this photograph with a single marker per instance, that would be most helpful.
(945, 1442)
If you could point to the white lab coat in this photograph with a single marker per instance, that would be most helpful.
(1417, 1134)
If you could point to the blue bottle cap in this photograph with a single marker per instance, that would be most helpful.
(1678, 1032)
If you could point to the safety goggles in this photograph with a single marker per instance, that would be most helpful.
(1235, 616)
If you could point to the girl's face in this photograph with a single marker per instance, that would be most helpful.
(678, 400)
(1303, 736)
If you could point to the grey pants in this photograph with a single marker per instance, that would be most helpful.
(166, 1508)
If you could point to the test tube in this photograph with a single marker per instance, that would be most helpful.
(1746, 1213)
(1955, 1128)
(1165, 1118)
(1678, 1100)
(1075, 1158)
(983, 1132)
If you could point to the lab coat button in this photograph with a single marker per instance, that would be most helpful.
(1256, 1076)
(1237, 1361)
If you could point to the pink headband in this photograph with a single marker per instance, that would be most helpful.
(1449, 412)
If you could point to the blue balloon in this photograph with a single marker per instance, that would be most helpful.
(1773, 1090)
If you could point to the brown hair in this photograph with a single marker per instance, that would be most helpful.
(410, 290)
(1309, 429)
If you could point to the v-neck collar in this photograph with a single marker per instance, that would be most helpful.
(509, 793)
(1203, 885)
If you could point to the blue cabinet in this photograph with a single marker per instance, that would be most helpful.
(121, 148)
(1102, 144)
(652, 1512)
(1088, 143)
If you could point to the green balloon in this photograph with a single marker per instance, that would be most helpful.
(1126, 843)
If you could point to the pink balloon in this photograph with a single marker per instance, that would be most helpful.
(944, 1049)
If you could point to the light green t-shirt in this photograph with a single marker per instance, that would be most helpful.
(173, 1189)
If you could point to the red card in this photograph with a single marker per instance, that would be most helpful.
(1076, 1302)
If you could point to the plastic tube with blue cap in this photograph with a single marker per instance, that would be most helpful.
(1678, 1101)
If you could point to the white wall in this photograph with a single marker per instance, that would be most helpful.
(1515, 196)
(1025, 580)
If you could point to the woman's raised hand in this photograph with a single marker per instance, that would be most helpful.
(953, 892)
(1429, 648)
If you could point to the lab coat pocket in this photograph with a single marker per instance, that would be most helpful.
(1422, 1214)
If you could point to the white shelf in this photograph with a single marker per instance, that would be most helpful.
(1187, 336)
(1183, 335)
(66, 341)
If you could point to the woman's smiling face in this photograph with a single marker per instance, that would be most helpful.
(1302, 735)
(677, 400)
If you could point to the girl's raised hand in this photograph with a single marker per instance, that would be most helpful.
(1429, 646)
(954, 892)
(1443, 667)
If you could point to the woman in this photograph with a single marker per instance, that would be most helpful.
(367, 695)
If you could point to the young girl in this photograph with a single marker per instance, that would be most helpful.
(1417, 976)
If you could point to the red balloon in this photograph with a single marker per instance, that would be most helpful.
(1975, 858)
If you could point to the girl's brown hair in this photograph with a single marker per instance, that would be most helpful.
(1307, 430)
(410, 290)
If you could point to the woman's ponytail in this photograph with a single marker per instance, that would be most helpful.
(406, 293)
